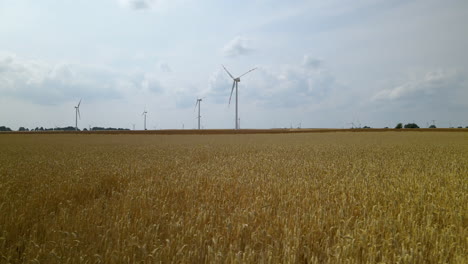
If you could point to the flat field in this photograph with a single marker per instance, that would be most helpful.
(265, 198)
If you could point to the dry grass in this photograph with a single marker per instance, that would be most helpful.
(285, 198)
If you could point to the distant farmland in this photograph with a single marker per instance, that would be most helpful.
(239, 131)
(248, 196)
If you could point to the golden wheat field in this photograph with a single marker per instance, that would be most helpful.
(282, 198)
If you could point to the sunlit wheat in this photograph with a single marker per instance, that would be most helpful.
(286, 198)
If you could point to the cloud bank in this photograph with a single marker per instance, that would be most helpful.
(281, 86)
(239, 46)
(436, 84)
(138, 4)
(47, 84)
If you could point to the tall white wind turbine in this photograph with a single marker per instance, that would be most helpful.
(199, 105)
(236, 84)
(77, 115)
(144, 114)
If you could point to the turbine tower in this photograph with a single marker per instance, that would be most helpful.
(77, 114)
(236, 84)
(199, 105)
(144, 114)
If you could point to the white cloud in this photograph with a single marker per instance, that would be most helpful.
(164, 67)
(237, 47)
(280, 86)
(433, 82)
(138, 4)
(293, 86)
(311, 62)
(151, 83)
(43, 83)
(184, 99)
(142, 5)
(219, 85)
(437, 94)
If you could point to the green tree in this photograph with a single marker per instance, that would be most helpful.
(399, 126)
(411, 125)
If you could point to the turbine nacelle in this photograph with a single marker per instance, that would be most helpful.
(198, 102)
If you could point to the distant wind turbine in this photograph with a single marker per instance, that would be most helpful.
(199, 105)
(77, 115)
(144, 114)
(236, 84)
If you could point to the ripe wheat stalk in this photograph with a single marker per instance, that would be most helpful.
(286, 198)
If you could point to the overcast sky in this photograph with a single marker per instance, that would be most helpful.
(320, 63)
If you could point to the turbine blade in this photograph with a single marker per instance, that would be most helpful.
(79, 116)
(232, 90)
(247, 72)
(79, 103)
(228, 72)
(196, 105)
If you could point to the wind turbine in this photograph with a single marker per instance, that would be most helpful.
(236, 84)
(144, 114)
(199, 104)
(77, 114)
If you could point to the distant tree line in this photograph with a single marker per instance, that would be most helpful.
(68, 128)
(4, 128)
(108, 128)
(413, 125)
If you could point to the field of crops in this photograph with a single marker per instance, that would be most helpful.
(253, 198)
